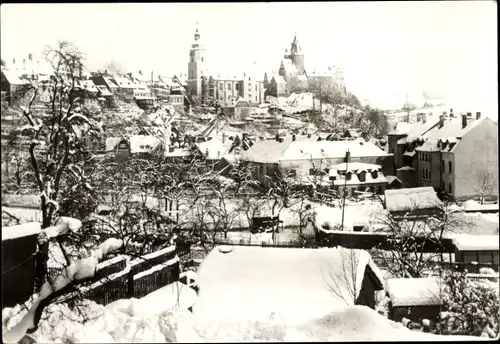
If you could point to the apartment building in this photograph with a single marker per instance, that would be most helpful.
(455, 156)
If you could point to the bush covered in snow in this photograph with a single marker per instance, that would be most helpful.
(469, 307)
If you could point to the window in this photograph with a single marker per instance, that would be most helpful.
(255, 98)
(449, 188)
(469, 257)
(228, 86)
(485, 257)
(221, 86)
(192, 58)
(449, 167)
(236, 87)
(442, 166)
(202, 59)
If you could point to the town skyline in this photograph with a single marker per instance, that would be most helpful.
(445, 56)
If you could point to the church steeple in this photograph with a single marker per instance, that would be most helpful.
(196, 34)
(295, 46)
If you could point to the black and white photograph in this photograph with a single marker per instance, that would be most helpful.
(214, 172)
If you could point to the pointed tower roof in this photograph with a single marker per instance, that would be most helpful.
(295, 47)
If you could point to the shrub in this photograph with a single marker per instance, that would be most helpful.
(469, 307)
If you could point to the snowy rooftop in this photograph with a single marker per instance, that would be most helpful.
(19, 231)
(272, 151)
(414, 291)
(356, 166)
(411, 199)
(255, 281)
(467, 242)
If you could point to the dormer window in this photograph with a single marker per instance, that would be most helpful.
(374, 174)
(362, 176)
(348, 175)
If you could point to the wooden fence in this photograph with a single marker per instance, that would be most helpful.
(446, 265)
(369, 240)
(116, 280)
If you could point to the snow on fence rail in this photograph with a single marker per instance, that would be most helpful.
(158, 276)
(120, 278)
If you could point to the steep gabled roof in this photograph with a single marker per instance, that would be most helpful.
(451, 131)
(411, 199)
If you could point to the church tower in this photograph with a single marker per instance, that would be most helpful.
(297, 56)
(196, 65)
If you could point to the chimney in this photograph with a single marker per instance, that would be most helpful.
(105, 72)
(441, 121)
(424, 118)
(293, 137)
(277, 137)
(152, 79)
(469, 114)
(24, 63)
(464, 120)
(14, 61)
(451, 113)
(244, 136)
(347, 156)
(308, 136)
(30, 57)
(223, 137)
(478, 115)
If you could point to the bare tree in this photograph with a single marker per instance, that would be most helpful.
(407, 253)
(341, 277)
(55, 134)
(484, 183)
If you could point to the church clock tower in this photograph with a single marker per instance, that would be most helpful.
(196, 65)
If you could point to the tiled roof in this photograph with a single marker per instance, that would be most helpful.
(411, 199)
(267, 151)
(109, 81)
(88, 85)
(125, 83)
(331, 149)
(272, 151)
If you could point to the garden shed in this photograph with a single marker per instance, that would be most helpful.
(414, 298)
(19, 247)
(476, 251)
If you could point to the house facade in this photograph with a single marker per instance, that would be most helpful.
(459, 158)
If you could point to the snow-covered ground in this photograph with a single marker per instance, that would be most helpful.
(124, 322)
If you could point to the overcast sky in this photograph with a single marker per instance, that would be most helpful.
(385, 50)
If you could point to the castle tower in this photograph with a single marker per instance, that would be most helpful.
(296, 55)
(196, 65)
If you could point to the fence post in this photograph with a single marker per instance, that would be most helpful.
(130, 284)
